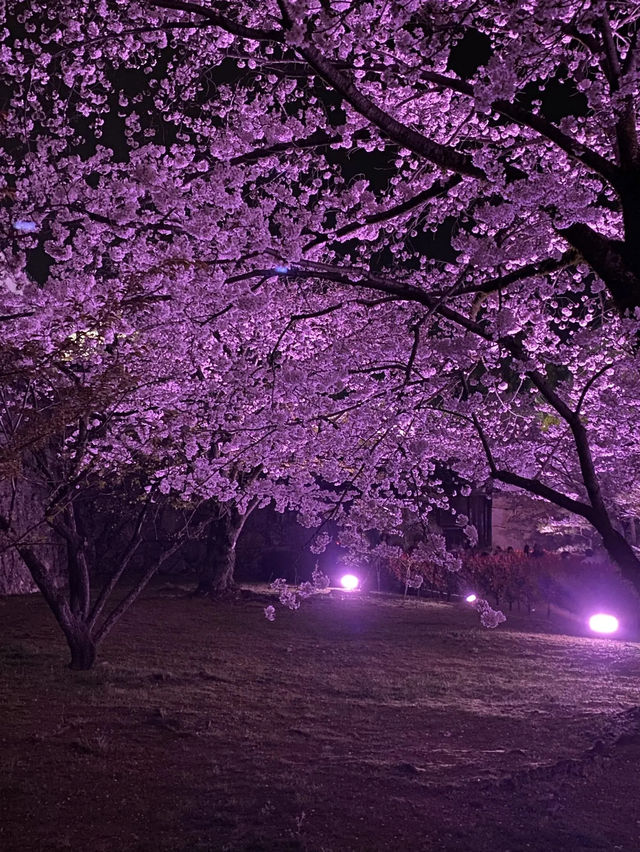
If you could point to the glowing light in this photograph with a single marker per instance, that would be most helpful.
(471, 598)
(601, 622)
(281, 270)
(349, 582)
(24, 225)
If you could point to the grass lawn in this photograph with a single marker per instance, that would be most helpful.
(353, 724)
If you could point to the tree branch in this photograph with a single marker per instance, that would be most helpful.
(218, 20)
(589, 385)
(7, 317)
(533, 486)
(318, 139)
(606, 258)
(116, 614)
(577, 150)
(612, 60)
(542, 267)
(408, 292)
(414, 352)
(438, 188)
(626, 132)
(441, 155)
(134, 543)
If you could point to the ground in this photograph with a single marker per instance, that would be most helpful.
(354, 724)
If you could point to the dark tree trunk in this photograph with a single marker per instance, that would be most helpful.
(216, 575)
(82, 647)
(617, 547)
(615, 262)
(75, 627)
(79, 583)
(621, 553)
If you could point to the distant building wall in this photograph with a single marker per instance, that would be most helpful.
(477, 508)
(518, 520)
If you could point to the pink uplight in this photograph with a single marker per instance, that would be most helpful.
(601, 622)
(349, 582)
(471, 598)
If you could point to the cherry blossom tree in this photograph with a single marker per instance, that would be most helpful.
(401, 233)
(69, 389)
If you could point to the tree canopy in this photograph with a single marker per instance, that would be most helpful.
(311, 251)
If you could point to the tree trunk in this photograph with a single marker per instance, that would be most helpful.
(613, 261)
(622, 554)
(74, 626)
(82, 647)
(220, 576)
(78, 570)
(216, 576)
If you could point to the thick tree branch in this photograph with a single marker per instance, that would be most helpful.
(53, 596)
(438, 188)
(7, 317)
(626, 131)
(218, 20)
(415, 329)
(607, 258)
(441, 155)
(612, 60)
(533, 486)
(577, 150)
(132, 546)
(542, 267)
(116, 614)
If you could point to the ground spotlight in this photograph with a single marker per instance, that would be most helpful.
(349, 582)
(602, 622)
(471, 598)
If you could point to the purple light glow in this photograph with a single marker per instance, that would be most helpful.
(26, 226)
(349, 582)
(471, 598)
(601, 622)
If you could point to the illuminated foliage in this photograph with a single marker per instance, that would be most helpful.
(360, 239)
